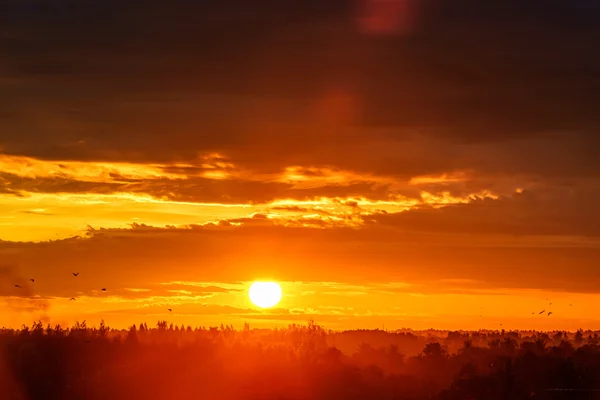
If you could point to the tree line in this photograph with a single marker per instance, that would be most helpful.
(299, 362)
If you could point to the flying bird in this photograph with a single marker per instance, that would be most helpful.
(170, 310)
(550, 313)
(550, 304)
(32, 280)
(18, 286)
(72, 299)
(75, 273)
(541, 312)
(104, 289)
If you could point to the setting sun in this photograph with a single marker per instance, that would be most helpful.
(265, 294)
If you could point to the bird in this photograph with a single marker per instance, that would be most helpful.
(75, 273)
(32, 280)
(550, 304)
(72, 299)
(169, 309)
(17, 286)
(550, 313)
(104, 289)
(541, 312)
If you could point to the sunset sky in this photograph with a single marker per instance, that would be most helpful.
(391, 163)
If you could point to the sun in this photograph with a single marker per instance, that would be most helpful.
(265, 294)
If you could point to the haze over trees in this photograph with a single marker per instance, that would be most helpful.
(298, 362)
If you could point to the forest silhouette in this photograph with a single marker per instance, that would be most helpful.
(297, 362)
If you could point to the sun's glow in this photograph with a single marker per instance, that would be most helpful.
(265, 294)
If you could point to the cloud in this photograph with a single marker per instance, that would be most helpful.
(402, 99)
(405, 250)
(207, 179)
(28, 167)
(137, 290)
(561, 212)
(310, 198)
(38, 211)
(202, 287)
(334, 142)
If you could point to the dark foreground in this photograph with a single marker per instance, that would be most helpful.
(300, 362)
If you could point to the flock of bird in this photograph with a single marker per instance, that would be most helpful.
(539, 313)
(549, 312)
(75, 274)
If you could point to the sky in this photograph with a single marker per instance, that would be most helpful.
(391, 163)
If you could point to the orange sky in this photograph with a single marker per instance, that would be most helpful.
(391, 165)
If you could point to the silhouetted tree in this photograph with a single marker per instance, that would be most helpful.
(297, 362)
(434, 350)
(579, 338)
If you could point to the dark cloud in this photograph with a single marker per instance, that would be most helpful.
(16, 184)
(256, 192)
(291, 208)
(557, 213)
(157, 85)
(194, 189)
